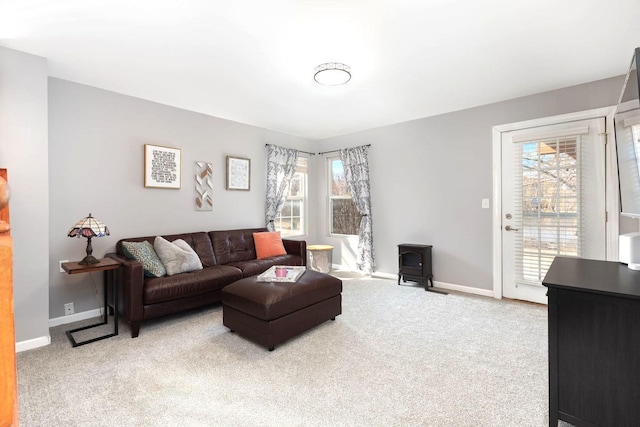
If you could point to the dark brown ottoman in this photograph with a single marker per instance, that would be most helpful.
(270, 313)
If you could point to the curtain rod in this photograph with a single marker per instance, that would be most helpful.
(305, 152)
(335, 151)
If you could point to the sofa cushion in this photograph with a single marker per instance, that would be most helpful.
(268, 244)
(177, 256)
(144, 253)
(234, 245)
(183, 285)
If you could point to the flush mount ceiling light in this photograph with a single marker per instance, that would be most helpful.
(332, 74)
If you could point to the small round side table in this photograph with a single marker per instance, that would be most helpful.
(320, 257)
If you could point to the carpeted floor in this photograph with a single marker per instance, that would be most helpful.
(397, 356)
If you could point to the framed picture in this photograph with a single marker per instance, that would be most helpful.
(238, 173)
(161, 166)
(204, 186)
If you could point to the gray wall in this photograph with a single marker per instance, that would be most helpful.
(96, 141)
(23, 151)
(428, 177)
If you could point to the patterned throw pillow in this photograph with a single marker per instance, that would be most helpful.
(177, 256)
(143, 253)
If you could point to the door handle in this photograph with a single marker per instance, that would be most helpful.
(509, 228)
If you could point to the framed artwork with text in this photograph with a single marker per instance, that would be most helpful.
(161, 167)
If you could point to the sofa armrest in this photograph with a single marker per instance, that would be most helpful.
(296, 247)
(130, 281)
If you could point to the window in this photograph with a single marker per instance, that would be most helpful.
(292, 218)
(635, 132)
(344, 216)
(550, 204)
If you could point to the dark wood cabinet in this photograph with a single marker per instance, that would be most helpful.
(414, 264)
(594, 343)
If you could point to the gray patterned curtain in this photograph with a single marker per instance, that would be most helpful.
(281, 166)
(356, 170)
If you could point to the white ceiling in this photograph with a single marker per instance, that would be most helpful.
(252, 61)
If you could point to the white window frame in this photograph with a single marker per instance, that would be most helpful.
(303, 174)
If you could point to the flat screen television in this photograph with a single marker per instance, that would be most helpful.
(627, 130)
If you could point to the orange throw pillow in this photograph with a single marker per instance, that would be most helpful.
(268, 244)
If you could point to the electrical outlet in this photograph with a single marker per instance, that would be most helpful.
(68, 309)
(60, 265)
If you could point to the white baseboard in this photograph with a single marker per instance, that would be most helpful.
(33, 343)
(43, 341)
(442, 285)
(338, 267)
(461, 288)
(63, 320)
(384, 275)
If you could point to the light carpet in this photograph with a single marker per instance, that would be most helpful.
(397, 356)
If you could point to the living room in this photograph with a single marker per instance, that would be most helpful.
(72, 148)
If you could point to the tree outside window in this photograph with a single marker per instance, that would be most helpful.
(292, 218)
(344, 216)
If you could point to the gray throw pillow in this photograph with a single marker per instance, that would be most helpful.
(177, 256)
(143, 253)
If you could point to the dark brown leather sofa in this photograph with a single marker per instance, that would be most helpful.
(226, 256)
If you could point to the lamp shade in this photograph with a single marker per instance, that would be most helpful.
(89, 227)
(332, 74)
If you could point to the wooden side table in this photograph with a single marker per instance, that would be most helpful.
(108, 265)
